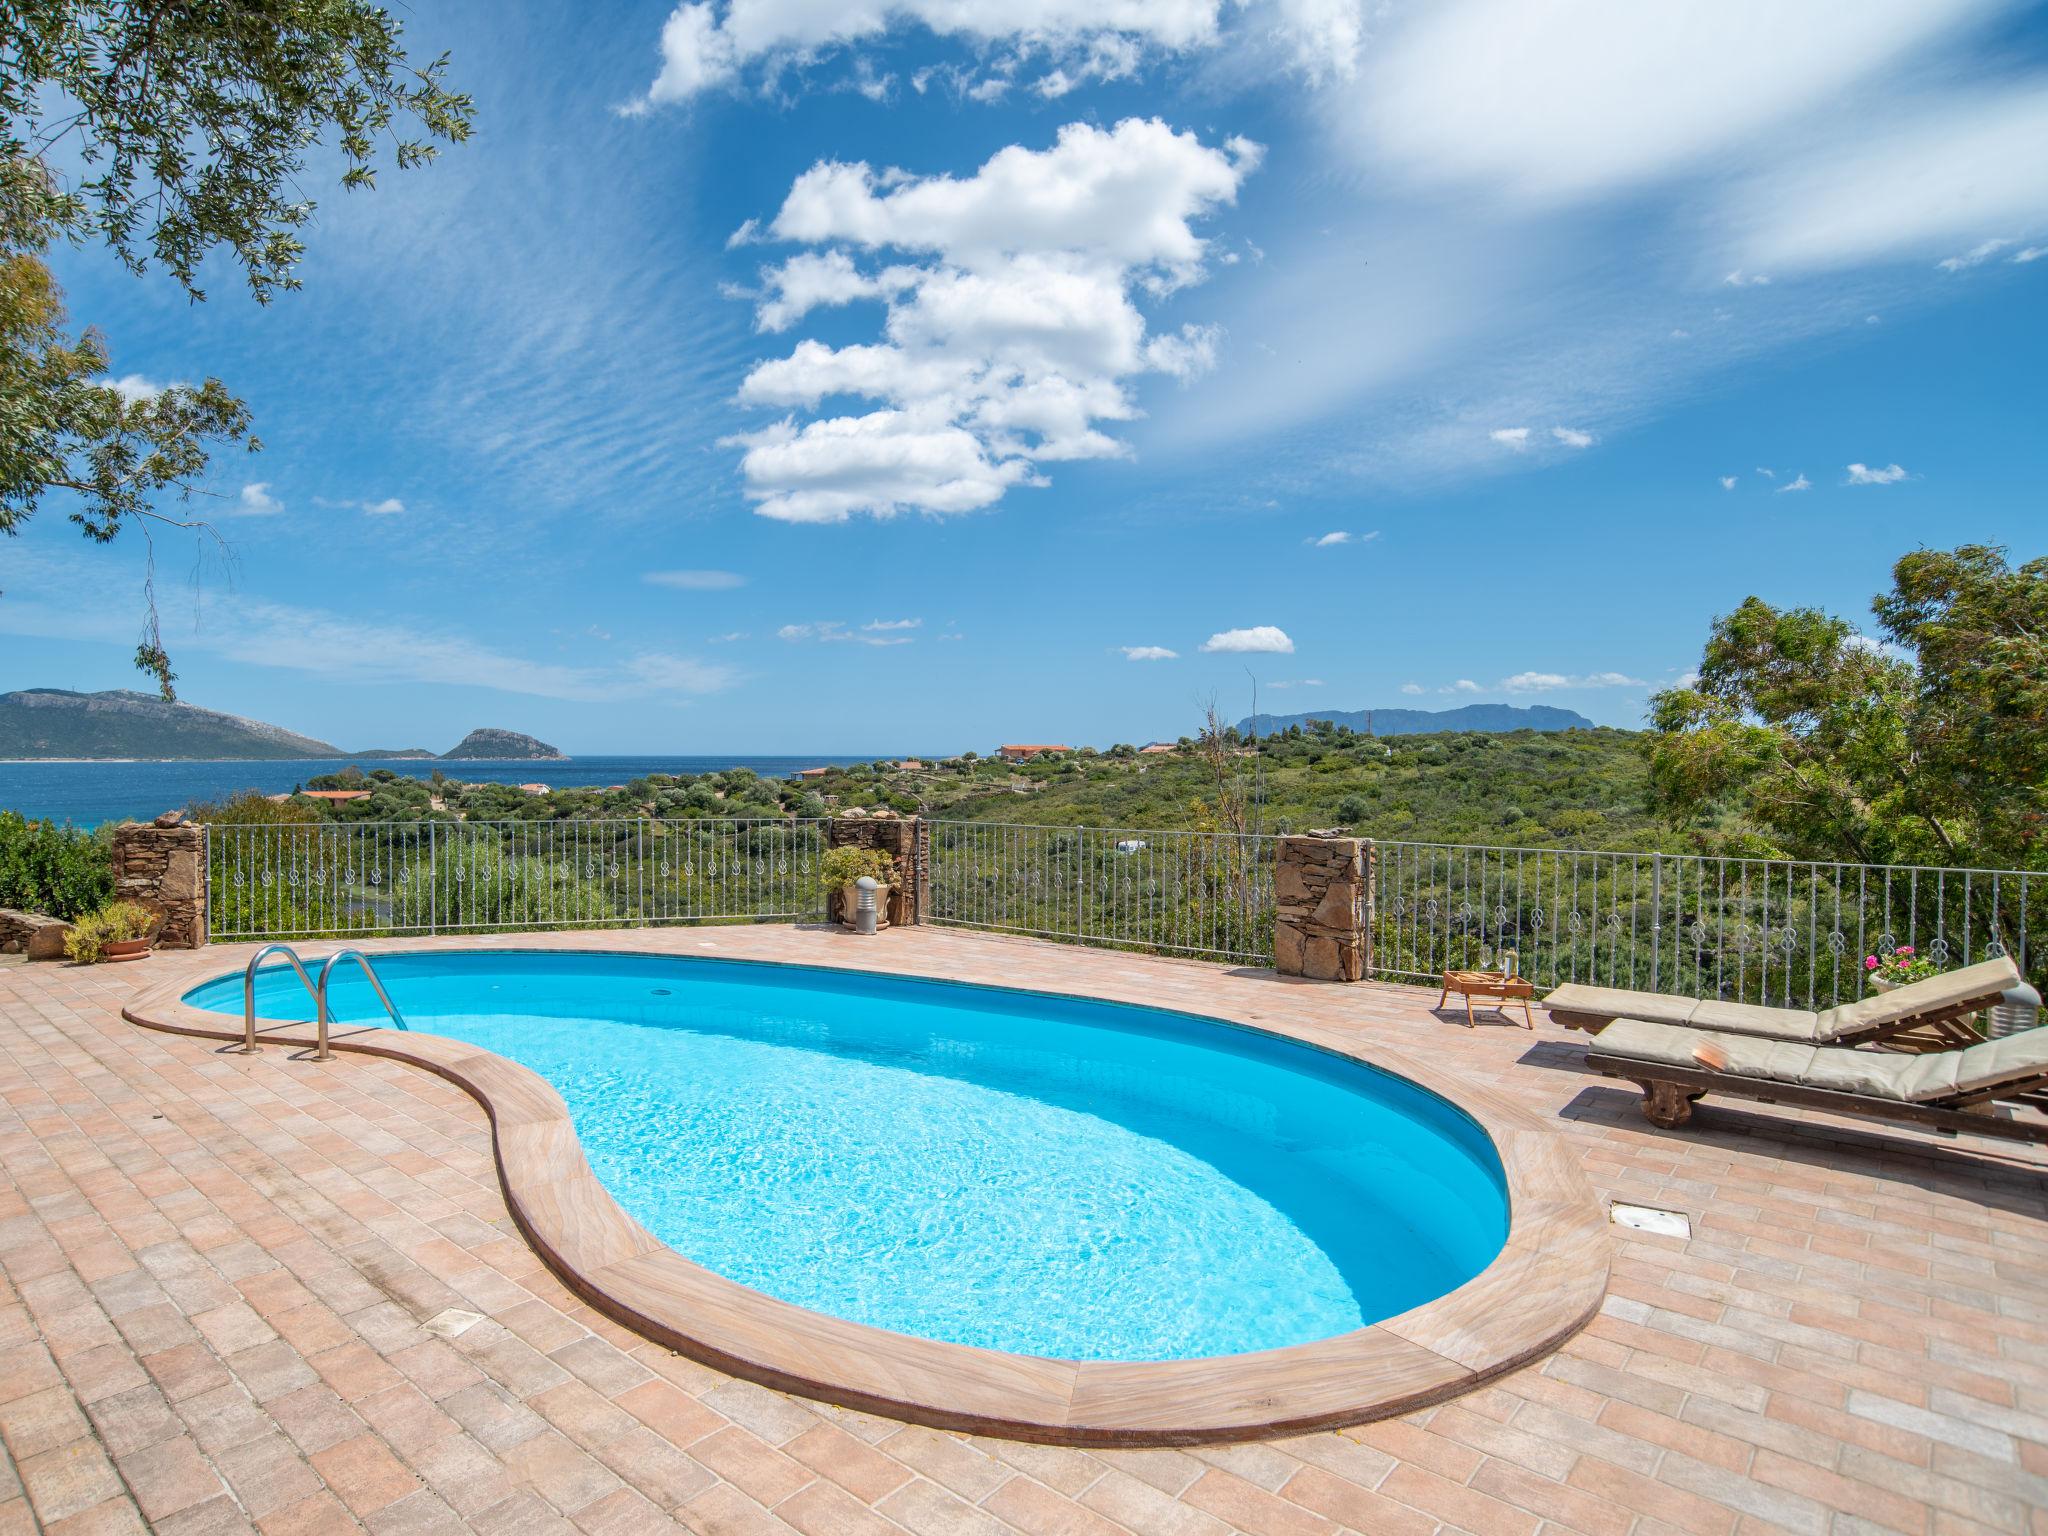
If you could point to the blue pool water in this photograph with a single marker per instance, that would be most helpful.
(1028, 1173)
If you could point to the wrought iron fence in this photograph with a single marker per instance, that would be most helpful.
(341, 878)
(1190, 893)
(1782, 931)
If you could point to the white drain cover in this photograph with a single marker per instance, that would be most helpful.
(452, 1322)
(1647, 1218)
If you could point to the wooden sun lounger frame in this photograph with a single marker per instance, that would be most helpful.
(1944, 1025)
(1669, 1093)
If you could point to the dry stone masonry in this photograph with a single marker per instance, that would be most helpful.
(1320, 883)
(905, 839)
(32, 934)
(164, 868)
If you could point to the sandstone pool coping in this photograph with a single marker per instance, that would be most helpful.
(1547, 1282)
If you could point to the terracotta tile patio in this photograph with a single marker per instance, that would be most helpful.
(228, 1280)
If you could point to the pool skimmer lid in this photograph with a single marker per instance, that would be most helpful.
(1647, 1218)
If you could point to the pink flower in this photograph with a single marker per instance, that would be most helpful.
(1903, 949)
(1870, 962)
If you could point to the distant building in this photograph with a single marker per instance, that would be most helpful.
(335, 796)
(1024, 752)
(1154, 748)
(534, 789)
(812, 773)
(911, 763)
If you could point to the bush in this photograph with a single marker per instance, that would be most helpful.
(61, 871)
(842, 866)
(112, 924)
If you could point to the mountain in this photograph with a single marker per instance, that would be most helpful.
(1421, 722)
(55, 722)
(501, 746)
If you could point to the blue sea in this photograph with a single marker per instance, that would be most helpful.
(87, 794)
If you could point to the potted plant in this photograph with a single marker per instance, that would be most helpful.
(122, 930)
(839, 870)
(1904, 964)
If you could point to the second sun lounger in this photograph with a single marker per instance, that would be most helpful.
(1936, 1005)
(1946, 1090)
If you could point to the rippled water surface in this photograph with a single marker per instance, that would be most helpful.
(1006, 1169)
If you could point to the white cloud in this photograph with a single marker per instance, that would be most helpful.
(1298, 682)
(879, 626)
(1010, 335)
(1148, 653)
(255, 500)
(1516, 438)
(1331, 540)
(708, 46)
(695, 581)
(1736, 279)
(1727, 482)
(1463, 685)
(1413, 688)
(1259, 637)
(1976, 256)
(835, 632)
(1876, 646)
(661, 673)
(2021, 258)
(390, 506)
(1800, 484)
(1768, 474)
(1863, 474)
(730, 637)
(133, 387)
(1544, 682)
(1571, 437)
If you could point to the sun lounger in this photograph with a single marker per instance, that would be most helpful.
(1935, 1005)
(1948, 1090)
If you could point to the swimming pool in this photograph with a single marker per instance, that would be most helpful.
(1032, 1174)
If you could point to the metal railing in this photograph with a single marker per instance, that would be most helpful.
(1791, 932)
(335, 879)
(1188, 893)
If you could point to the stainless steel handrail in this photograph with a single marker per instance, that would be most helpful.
(320, 996)
(249, 1045)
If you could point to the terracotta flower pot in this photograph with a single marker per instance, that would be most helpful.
(849, 903)
(128, 949)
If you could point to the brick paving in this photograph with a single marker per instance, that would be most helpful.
(225, 1281)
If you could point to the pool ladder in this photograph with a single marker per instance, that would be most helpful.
(322, 1016)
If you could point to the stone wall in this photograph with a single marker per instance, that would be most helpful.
(33, 934)
(907, 840)
(164, 868)
(1320, 884)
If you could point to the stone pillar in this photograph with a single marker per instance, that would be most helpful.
(906, 839)
(164, 868)
(1320, 884)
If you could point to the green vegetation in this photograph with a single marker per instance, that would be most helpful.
(170, 134)
(115, 923)
(842, 866)
(1928, 748)
(61, 872)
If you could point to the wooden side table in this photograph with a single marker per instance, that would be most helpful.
(1497, 986)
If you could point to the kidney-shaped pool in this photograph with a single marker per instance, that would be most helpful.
(1022, 1172)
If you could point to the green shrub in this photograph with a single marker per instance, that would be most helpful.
(62, 871)
(112, 924)
(842, 866)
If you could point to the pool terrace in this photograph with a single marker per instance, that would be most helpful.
(238, 1294)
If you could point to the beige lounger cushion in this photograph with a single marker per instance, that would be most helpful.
(1872, 1074)
(1951, 989)
(1670, 1008)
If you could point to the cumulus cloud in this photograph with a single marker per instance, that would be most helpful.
(1259, 637)
(1863, 474)
(133, 387)
(1799, 484)
(1727, 482)
(706, 46)
(2021, 258)
(1148, 653)
(255, 500)
(1550, 682)
(390, 506)
(1516, 438)
(1413, 688)
(695, 581)
(882, 626)
(1571, 437)
(1010, 324)
(1331, 540)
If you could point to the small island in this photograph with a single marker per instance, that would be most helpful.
(487, 743)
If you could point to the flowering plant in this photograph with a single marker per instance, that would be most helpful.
(1902, 965)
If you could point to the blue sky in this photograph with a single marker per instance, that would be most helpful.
(750, 386)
